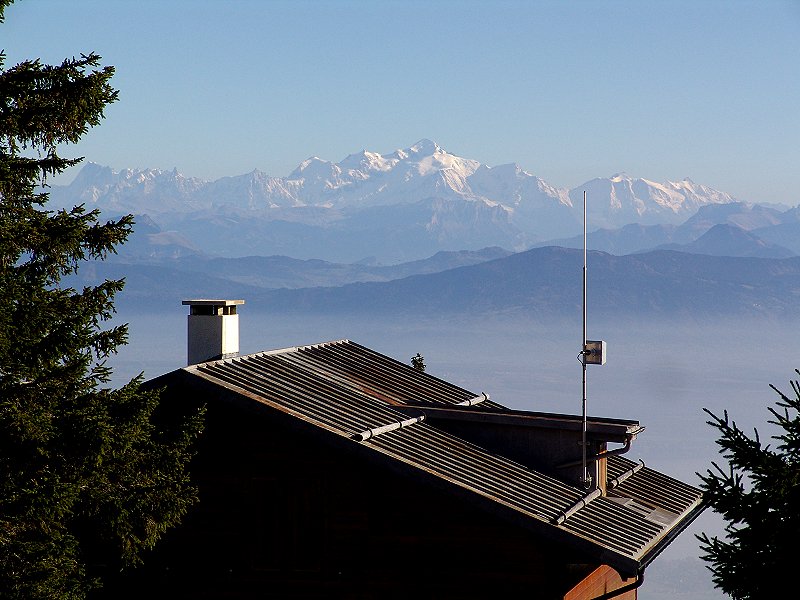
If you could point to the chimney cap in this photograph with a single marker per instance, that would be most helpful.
(209, 302)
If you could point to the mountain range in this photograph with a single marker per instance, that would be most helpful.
(546, 282)
(389, 208)
(423, 231)
(541, 282)
(730, 229)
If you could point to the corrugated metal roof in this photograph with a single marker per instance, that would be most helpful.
(348, 389)
(380, 376)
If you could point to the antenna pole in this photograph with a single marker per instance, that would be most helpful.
(586, 480)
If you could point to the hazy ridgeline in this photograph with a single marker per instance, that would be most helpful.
(661, 373)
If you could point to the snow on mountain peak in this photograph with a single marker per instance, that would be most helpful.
(366, 161)
(315, 168)
(621, 199)
(427, 158)
(425, 146)
(421, 172)
(700, 194)
(307, 163)
(440, 161)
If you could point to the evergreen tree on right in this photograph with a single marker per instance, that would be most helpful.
(758, 495)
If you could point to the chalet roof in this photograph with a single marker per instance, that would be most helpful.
(365, 398)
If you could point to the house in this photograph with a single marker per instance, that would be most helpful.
(333, 471)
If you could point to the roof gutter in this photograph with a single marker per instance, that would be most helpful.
(628, 440)
(625, 588)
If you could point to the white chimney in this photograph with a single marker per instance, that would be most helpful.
(213, 329)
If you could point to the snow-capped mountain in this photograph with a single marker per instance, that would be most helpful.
(369, 179)
(422, 197)
(127, 190)
(619, 200)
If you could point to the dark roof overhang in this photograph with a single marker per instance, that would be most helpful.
(598, 428)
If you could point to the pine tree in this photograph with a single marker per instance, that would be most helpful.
(90, 476)
(758, 495)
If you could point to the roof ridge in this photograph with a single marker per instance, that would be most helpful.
(289, 349)
(272, 352)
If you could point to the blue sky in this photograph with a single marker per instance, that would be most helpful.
(568, 90)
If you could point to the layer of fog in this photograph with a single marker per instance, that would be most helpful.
(659, 373)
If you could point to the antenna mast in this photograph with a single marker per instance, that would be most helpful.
(586, 479)
(592, 353)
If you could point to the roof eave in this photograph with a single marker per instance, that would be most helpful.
(679, 527)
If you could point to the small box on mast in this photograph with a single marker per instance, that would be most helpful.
(595, 353)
